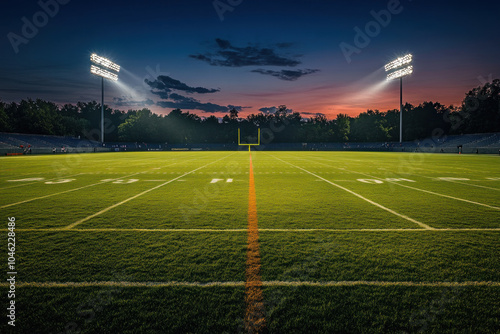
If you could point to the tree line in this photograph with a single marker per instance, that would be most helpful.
(478, 113)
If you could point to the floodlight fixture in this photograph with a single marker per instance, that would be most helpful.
(400, 73)
(101, 67)
(398, 69)
(103, 73)
(104, 62)
(399, 62)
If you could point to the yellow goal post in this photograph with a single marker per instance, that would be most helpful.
(249, 145)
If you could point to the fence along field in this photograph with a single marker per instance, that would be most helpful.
(356, 242)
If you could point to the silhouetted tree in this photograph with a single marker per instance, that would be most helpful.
(480, 111)
(233, 114)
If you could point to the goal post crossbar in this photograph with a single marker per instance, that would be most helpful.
(249, 145)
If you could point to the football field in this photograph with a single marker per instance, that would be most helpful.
(260, 242)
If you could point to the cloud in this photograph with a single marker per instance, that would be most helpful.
(126, 102)
(312, 113)
(270, 110)
(238, 108)
(287, 75)
(189, 103)
(165, 84)
(229, 55)
(162, 93)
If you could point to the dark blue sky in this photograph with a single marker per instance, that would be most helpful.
(249, 54)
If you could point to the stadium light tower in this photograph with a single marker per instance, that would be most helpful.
(99, 69)
(400, 68)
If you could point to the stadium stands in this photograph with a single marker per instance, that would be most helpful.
(40, 144)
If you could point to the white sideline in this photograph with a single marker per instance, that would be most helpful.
(242, 284)
(138, 195)
(362, 197)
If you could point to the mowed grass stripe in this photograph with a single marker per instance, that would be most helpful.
(425, 226)
(138, 195)
(255, 321)
(241, 283)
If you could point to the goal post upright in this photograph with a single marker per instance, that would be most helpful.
(249, 145)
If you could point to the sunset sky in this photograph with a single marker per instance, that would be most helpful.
(208, 56)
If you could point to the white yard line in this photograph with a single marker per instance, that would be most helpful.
(44, 180)
(138, 195)
(173, 230)
(122, 284)
(242, 284)
(380, 283)
(362, 197)
(373, 229)
(418, 189)
(453, 181)
(432, 192)
(75, 189)
(470, 184)
(66, 191)
(211, 230)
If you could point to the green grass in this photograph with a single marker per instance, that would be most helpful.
(375, 256)
(318, 221)
(383, 310)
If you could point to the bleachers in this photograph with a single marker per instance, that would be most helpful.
(471, 143)
(41, 144)
(12, 142)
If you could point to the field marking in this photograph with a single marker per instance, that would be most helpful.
(255, 321)
(70, 190)
(427, 227)
(447, 179)
(381, 283)
(435, 193)
(27, 180)
(197, 230)
(64, 192)
(70, 226)
(410, 187)
(43, 179)
(241, 284)
(116, 163)
(457, 181)
(375, 229)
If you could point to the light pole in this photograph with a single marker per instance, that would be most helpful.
(100, 71)
(400, 68)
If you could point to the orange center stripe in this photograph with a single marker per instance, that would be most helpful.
(255, 321)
